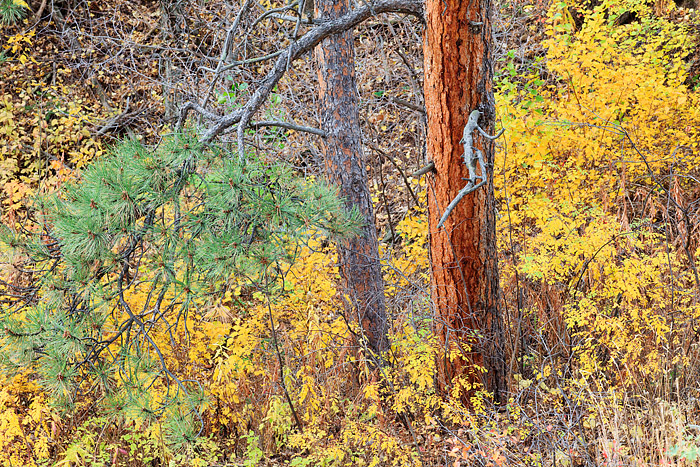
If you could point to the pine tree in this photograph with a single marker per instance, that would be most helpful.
(175, 224)
(12, 11)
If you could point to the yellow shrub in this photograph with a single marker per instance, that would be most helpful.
(590, 177)
(26, 425)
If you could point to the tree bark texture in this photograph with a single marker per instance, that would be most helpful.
(459, 79)
(345, 166)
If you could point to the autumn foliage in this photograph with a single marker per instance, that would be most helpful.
(596, 181)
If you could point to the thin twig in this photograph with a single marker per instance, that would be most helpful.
(386, 202)
(396, 166)
(288, 126)
(300, 427)
(248, 61)
(225, 51)
(409, 105)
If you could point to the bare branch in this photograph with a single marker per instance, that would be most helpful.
(410, 105)
(472, 156)
(488, 136)
(424, 170)
(225, 50)
(197, 108)
(396, 166)
(288, 126)
(295, 50)
(247, 61)
(465, 191)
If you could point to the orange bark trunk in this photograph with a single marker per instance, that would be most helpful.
(459, 79)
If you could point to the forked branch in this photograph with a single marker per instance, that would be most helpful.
(472, 157)
(242, 116)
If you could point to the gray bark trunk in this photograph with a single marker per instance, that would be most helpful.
(345, 166)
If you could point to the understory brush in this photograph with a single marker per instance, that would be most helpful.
(599, 207)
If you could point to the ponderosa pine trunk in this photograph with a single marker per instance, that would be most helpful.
(345, 166)
(459, 79)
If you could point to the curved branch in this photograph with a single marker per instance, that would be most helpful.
(472, 156)
(197, 108)
(306, 43)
